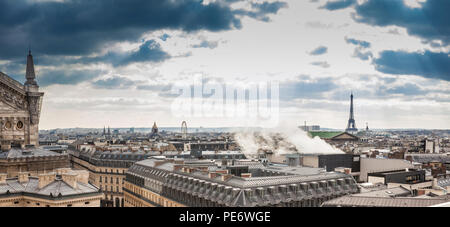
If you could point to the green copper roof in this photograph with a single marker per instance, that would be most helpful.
(324, 135)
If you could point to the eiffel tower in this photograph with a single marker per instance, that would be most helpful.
(351, 127)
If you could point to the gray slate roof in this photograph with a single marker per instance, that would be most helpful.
(54, 188)
(25, 153)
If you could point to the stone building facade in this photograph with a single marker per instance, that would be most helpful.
(20, 108)
(109, 178)
(107, 171)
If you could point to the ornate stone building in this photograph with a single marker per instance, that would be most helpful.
(20, 108)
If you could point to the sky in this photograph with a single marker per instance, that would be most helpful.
(120, 63)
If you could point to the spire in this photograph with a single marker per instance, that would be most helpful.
(30, 74)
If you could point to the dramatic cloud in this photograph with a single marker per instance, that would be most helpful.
(339, 4)
(430, 21)
(408, 89)
(260, 10)
(83, 27)
(306, 87)
(427, 64)
(114, 83)
(360, 43)
(206, 44)
(319, 51)
(359, 53)
(360, 49)
(150, 51)
(164, 37)
(66, 77)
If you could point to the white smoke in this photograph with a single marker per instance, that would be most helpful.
(281, 141)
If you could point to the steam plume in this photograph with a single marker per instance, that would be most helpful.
(280, 141)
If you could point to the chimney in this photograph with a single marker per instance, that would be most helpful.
(347, 171)
(177, 167)
(435, 183)
(225, 171)
(6, 146)
(46, 178)
(3, 178)
(226, 177)
(212, 175)
(179, 162)
(70, 179)
(23, 177)
(191, 170)
(82, 176)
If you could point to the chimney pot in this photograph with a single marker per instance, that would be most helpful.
(23, 177)
(3, 177)
(45, 179)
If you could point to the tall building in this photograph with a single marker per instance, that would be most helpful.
(20, 109)
(351, 126)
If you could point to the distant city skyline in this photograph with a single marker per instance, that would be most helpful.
(118, 71)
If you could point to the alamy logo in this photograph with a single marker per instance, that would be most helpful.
(254, 104)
